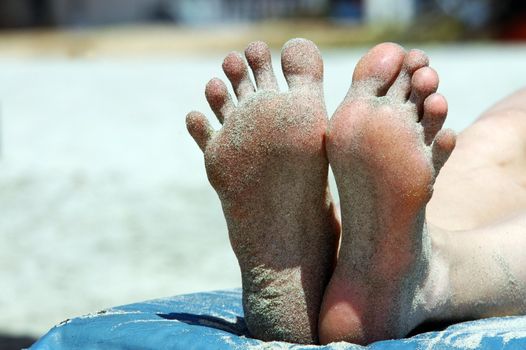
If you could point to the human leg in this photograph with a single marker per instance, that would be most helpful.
(484, 180)
(486, 270)
(449, 274)
(385, 147)
(269, 167)
(479, 209)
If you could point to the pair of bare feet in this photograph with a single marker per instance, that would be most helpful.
(269, 165)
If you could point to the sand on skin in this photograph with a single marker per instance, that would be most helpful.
(101, 186)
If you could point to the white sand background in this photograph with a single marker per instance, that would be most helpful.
(103, 195)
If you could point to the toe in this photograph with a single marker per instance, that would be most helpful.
(442, 147)
(413, 60)
(200, 129)
(301, 63)
(236, 70)
(423, 84)
(259, 59)
(376, 71)
(219, 99)
(433, 116)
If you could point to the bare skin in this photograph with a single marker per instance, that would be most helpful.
(484, 180)
(269, 167)
(395, 271)
(385, 148)
(416, 246)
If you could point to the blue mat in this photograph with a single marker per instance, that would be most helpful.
(214, 321)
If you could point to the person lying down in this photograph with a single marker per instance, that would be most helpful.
(432, 227)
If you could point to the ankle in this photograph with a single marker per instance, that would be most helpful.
(432, 298)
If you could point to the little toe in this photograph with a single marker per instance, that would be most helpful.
(259, 59)
(219, 99)
(200, 129)
(413, 60)
(433, 116)
(301, 63)
(236, 70)
(423, 84)
(442, 147)
(377, 69)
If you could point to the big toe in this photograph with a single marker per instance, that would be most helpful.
(377, 69)
(301, 63)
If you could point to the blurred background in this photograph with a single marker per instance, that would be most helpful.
(104, 198)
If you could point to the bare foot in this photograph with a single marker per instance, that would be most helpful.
(386, 148)
(269, 167)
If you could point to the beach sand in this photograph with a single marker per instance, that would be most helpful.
(103, 195)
